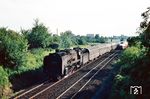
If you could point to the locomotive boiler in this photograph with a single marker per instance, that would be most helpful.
(60, 63)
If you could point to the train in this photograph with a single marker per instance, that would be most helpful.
(122, 45)
(64, 62)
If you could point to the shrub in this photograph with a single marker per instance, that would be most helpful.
(4, 77)
(13, 48)
(130, 55)
(33, 60)
(121, 87)
(4, 83)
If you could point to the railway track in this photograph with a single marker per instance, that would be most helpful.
(52, 89)
(77, 87)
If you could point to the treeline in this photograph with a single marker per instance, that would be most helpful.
(24, 51)
(135, 65)
(14, 45)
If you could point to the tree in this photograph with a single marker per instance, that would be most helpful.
(102, 39)
(121, 39)
(132, 41)
(56, 38)
(97, 38)
(13, 48)
(145, 27)
(55, 42)
(81, 40)
(67, 39)
(38, 36)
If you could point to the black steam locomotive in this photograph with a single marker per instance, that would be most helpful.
(64, 62)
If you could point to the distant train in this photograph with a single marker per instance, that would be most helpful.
(64, 62)
(122, 45)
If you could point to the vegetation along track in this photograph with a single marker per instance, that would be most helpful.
(52, 90)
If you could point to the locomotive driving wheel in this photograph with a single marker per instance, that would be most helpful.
(59, 77)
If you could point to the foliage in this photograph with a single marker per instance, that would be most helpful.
(136, 73)
(4, 77)
(100, 39)
(4, 83)
(135, 64)
(132, 41)
(33, 60)
(67, 39)
(38, 36)
(97, 36)
(81, 40)
(96, 39)
(129, 58)
(56, 38)
(128, 61)
(145, 27)
(121, 84)
(13, 48)
(103, 39)
(131, 54)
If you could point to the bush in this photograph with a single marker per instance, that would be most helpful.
(129, 58)
(4, 83)
(13, 48)
(131, 54)
(120, 88)
(121, 80)
(129, 61)
(4, 77)
(34, 60)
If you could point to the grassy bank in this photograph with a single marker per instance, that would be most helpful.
(134, 71)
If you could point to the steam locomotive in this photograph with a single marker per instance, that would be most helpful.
(64, 62)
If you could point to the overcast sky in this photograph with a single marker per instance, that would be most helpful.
(104, 17)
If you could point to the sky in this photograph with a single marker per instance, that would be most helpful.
(103, 17)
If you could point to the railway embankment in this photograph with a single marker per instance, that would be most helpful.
(132, 80)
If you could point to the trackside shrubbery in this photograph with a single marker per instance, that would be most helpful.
(130, 57)
(135, 70)
(4, 83)
(131, 54)
(122, 82)
(32, 61)
(13, 48)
